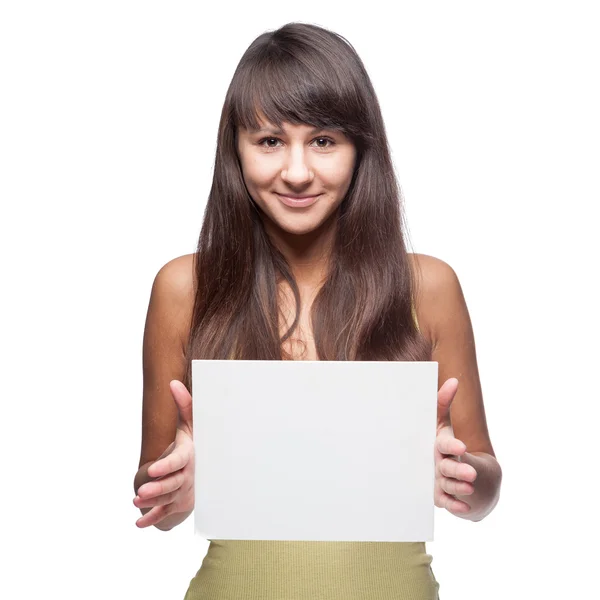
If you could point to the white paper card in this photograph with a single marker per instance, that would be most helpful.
(314, 450)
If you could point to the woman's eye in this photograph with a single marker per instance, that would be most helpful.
(326, 139)
(267, 140)
(318, 139)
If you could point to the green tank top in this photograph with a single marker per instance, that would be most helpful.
(301, 570)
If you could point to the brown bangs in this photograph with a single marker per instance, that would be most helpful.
(297, 88)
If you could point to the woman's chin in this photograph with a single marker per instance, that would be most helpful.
(296, 222)
(294, 225)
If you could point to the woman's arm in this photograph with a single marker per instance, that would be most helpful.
(163, 359)
(442, 310)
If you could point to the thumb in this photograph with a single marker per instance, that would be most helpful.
(183, 401)
(445, 396)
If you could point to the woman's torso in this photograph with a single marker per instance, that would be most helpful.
(301, 570)
(307, 570)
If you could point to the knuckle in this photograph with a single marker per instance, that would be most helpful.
(178, 482)
(444, 484)
(445, 467)
(171, 496)
(164, 499)
(181, 461)
(446, 501)
(152, 516)
(158, 501)
(167, 487)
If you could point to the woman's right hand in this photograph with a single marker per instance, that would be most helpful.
(172, 488)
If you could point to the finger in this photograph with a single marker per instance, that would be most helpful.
(162, 486)
(183, 400)
(448, 467)
(456, 487)
(174, 462)
(448, 444)
(451, 504)
(157, 514)
(445, 396)
(167, 451)
(154, 500)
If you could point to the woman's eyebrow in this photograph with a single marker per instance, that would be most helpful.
(277, 131)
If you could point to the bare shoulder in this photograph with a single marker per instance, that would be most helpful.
(176, 279)
(178, 273)
(435, 279)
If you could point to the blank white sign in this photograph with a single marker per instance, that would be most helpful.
(314, 450)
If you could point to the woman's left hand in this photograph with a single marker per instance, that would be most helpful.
(451, 476)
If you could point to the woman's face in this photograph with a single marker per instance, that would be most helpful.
(298, 161)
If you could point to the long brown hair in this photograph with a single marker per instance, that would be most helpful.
(304, 74)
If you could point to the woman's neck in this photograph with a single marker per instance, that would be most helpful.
(308, 255)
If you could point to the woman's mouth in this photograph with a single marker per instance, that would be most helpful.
(298, 202)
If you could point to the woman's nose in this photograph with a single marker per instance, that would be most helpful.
(296, 169)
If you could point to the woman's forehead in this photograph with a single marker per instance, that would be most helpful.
(265, 125)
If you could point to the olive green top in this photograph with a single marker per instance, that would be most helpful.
(301, 570)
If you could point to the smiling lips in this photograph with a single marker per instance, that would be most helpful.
(298, 201)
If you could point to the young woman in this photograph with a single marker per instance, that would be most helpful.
(302, 256)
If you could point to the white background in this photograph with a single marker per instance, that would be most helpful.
(108, 121)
